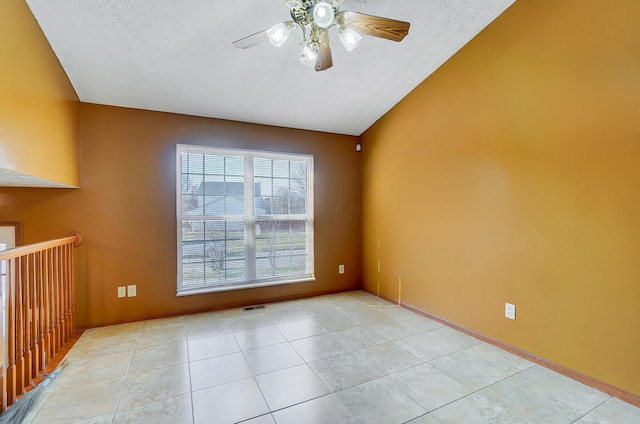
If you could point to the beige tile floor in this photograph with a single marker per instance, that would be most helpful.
(344, 358)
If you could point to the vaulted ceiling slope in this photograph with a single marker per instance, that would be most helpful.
(177, 56)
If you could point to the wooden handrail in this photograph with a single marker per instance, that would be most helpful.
(14, 252)
(39, 317)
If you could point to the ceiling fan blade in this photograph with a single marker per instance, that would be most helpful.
(375, 26)
(251, 40)
(324, 56)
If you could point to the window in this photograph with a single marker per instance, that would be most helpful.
(245, 219)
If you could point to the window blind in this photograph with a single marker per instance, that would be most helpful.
(245, 218)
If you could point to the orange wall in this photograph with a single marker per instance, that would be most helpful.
(511, 175)
(38, 106)
(126, 210)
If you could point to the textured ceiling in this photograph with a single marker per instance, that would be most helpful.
(176, 56)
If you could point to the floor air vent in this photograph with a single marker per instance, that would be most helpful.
(253, 308)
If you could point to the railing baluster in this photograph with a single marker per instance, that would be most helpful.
(46, 331)
(53, 350)
(72, 292)
(35, 316)
(61, 320)
(39, 315)
(30, 354)
(25, 323)
(19, 311)
(65, 296)
(42, 306)
(57, 303)
(29, 338)
(12, 343)
(71, 317)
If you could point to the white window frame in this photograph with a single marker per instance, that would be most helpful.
(249, 218)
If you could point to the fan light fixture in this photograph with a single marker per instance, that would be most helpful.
(309, 56)
(349, 38)
(279, 33)
(315, 18)
(323, 14)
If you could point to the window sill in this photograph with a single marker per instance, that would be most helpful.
(215, 289)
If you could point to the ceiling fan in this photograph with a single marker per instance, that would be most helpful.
(314, 18)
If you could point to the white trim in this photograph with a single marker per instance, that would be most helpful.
(231, 287)
(250, 221)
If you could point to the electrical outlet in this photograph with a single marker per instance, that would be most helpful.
(340, 269)
(131, 290)
(510, 311)
(122, 292)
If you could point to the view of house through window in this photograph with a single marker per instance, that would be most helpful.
(245, 218)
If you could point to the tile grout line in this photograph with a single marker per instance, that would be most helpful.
(253, 377)
(593, 409)
(124, 381)
(308, 364)
(193, 410)
(477, 391)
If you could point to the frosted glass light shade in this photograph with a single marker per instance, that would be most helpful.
(292, 3)
(349, 38)
(309, 56)
(323, 14)
(279, 33)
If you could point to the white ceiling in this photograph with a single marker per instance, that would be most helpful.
(176, 56)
